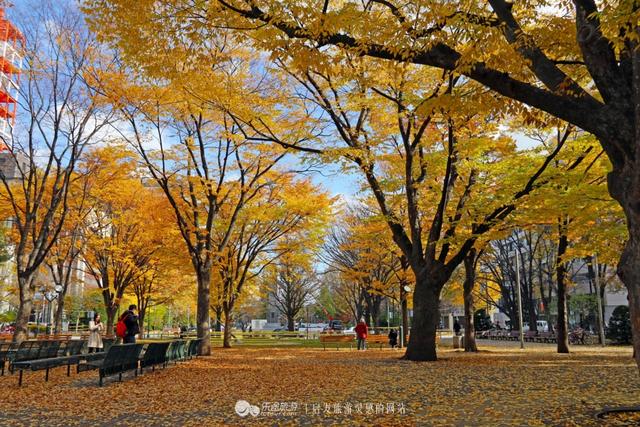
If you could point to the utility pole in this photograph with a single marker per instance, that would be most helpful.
(596, 281)
(519, 292)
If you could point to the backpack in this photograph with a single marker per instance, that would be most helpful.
(121, 328)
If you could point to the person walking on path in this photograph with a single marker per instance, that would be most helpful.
(130, 319)
(393, 338)
(96, 328)
(361, 333)
(456, 328)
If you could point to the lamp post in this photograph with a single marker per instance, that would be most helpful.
(51, 296)
(519, 292)
(596, 282)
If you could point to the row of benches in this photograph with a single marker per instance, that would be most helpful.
(117, 359)
(531, 336)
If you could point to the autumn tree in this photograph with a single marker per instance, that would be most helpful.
(577, 62)
(124, 228)
(283, 207)
(59, 117)
(292, 286)
(586, 79)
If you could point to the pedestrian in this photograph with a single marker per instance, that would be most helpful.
(96, 327)
(361, 333)
(393, 338)
(456, 327)
(130, 319)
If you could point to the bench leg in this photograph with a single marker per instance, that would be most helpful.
(20, 379)
(120, 376)
(46, 375)
(100, 382)
(68, 369)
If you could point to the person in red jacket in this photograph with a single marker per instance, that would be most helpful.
(361, 333)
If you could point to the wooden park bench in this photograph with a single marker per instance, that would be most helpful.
(548, 337)
(530, 335)
(119, 359)
(379, 339)
(336, 339)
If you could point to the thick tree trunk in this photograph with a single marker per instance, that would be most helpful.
(202, 316)
(141, 314)
(112, 311)
(59, 313)
(426, 317)
(218, 326)
(629, 273)
(27, 292)
(290, 323)
(469, 303)
(562, 329)
(227, 328)
(405, 318)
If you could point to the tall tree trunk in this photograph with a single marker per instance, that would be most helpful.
(227, 327)
(141, 315)
(629, 273)
(562, 329)
(426, 316)
(218, 312)
(27, 292)
(469, 303)
(202, 316)
(290, 323)
(112, 311)
(59, 313)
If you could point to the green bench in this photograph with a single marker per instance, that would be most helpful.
(117, 360)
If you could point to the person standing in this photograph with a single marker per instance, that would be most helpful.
(130, 319)
(456, 327)
(393, 338)
(361, 333)
(96, 328)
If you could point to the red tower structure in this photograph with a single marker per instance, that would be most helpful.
(10, 65)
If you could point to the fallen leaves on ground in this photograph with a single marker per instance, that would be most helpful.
(496, 387)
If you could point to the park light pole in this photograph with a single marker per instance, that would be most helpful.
(51, 296)
(519, 293)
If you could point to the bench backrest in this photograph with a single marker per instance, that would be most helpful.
(27, 350)
(193, 347)
(155, 354)
(5, 348)
(107, 342)
(49, 349)
(74, 347)
(336, 338)
(121, 357)
(177, 350)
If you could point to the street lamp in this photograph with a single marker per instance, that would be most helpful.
(51, 296)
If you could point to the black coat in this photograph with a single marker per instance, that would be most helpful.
(131, 320)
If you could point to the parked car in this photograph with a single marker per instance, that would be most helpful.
(350, 331)
(542, 326)
(335, 325)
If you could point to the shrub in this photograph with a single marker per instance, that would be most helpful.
(620, 325)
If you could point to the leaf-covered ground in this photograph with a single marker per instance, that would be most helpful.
(500, 386)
